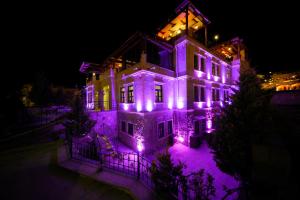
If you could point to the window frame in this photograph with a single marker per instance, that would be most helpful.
(122, 94)
(158, 93)
(163, 130)
(130, 94)
(129, 125)
(196, 61)
(202, 65)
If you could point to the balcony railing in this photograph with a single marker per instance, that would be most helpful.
(100, 106)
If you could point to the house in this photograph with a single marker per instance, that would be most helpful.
(155, 90)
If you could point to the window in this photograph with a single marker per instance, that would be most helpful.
(199, 94)
(213, 69)
(123, 126)
(216, 94)
(202, 125)
(130, 129)
(130, 94)
(196, 94)
(196, 62)
(122, 95)
(226, 95)
(202, 64)
(228, 72)
(158, 93)
(161, 130)
(170, 127)
(202, 94)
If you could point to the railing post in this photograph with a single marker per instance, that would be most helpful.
(138, 167)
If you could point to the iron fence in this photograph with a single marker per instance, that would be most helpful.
(130, 164)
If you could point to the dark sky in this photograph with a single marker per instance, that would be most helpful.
(56, 37)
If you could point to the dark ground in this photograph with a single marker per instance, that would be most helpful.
(31, 172)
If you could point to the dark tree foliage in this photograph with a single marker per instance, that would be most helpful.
(203, 185)
(240, 125)
(166, 176)
(41, 90)
(78, 121)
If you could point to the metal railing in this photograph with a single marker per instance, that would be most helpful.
(130, 164)
(100, 106)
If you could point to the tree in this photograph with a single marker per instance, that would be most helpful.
(78, 121)
(203, 185)
(41, 92)
(167, 176)
(239, 125)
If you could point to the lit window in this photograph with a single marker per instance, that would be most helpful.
(130, 129)
(158, 93)
(122, 95)
(130, 94)
(161, 130)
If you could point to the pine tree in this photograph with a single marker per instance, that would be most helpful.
(78, 120)
(240, 124)
(166, 176)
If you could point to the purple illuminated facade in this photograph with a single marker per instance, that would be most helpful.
(173, 99)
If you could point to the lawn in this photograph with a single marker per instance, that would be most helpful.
(31, 173)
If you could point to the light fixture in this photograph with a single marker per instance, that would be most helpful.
(216, 37)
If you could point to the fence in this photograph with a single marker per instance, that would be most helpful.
(130, 164)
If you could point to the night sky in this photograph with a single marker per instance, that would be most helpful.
(56, 38)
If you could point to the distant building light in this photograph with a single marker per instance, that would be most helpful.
(196, 27)
(94, 74)
(179, 31)
(229, 49)
(216, 37)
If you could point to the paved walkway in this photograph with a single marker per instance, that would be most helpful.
(136, 188)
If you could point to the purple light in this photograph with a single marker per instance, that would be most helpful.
(221, 104)
(208, 75)
(126, 106)
(208, 103)
(149, 106)
(180, 103)
(209, 124)
(223, 78)
(180, 138)
(170, 103)
(200, 104)
(138, 106)
(216, 78)
(199, 74)
(140, 146)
